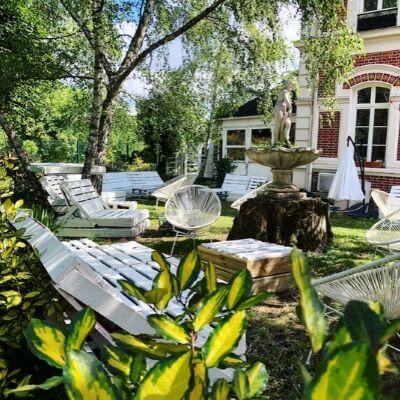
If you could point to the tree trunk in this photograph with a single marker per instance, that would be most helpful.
(304, 222)
(203, 165)
(98, 90)
(31, 178)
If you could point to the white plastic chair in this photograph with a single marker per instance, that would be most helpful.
(190, 209)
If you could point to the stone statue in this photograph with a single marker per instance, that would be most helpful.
(282, 111)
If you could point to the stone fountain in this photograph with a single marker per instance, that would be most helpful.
(280, 213)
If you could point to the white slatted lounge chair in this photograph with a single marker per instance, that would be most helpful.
(87, 273)
(144, 183)
(56, 199)
(386, 203)
(375, 281)
(256, 182)
(236, 186)
(191, 209)
(89, 215)
(134, 184)
(233, 187)
(172, 186)
(250, 195)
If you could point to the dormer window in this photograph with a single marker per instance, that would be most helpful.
(377, 14)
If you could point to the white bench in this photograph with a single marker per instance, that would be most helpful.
(134, 184)
(87, 273)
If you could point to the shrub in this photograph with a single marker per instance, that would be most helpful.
(25, 293)
(354, 357)
(223, 166)
(140, 165)
(45, 217)
(181, 369)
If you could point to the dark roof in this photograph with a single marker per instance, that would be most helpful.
(250, 109)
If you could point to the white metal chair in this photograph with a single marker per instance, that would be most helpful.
(377, 281)
(172, 186)
(190, 209)
(386, 232)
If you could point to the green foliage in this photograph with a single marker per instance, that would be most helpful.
(25, 292)
(223, 166)
(46, 217)
(329, 54)
(183, 362)
(139, 165)
(355, 357)
(170, 118)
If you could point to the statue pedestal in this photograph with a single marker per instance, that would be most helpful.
(288, 219)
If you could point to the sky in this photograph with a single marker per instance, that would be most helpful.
(135, 85)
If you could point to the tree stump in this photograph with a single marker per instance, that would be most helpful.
(300, 222)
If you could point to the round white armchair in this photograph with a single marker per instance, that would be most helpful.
(190, 209)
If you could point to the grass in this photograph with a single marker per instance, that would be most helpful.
(275, 335)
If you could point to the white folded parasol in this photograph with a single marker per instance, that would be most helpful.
(346, 184)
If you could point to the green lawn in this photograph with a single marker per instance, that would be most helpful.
(275, 335)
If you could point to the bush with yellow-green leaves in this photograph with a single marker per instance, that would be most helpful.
(25, 292)
(182, 362)
(352, 359)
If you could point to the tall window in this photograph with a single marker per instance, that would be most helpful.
(372, 122)
(375, 5)
(236, 144)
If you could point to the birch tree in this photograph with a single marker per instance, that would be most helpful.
(86, 39)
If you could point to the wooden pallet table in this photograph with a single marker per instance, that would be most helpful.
(268, 263)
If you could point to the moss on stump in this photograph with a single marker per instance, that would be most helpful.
(302, 222)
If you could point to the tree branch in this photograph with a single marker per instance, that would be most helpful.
(89, 36)
(124, 73)
(137, 40)
(15, 144)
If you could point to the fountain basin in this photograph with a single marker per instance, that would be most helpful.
(282, 157)
(282, 161)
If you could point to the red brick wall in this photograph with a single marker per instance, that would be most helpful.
(328, 134)
(383, 182)
(377, 182)
(391, 57)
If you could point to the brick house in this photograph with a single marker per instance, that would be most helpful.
(367, 105)
(367, 108)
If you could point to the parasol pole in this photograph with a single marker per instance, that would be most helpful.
(361, 162)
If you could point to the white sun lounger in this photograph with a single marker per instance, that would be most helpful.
(236, 186)
(89, 215)
(169, 188)
(87, 273)
(51, 184)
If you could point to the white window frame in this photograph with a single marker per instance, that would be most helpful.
(372, 106)
(236, 146)
(380, 5)
(247, 143)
